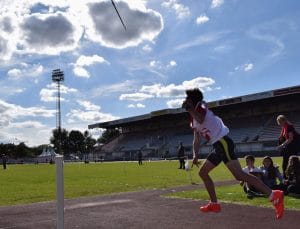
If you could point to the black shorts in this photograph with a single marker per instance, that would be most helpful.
(223, 150)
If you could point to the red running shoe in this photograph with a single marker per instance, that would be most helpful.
(211, 207)
(278, 203)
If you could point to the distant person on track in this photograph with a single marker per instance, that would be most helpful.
(271, 174)
(210, 127)
(289, 141)
(140, 157)
(180, 155)
(293, 176)
(251, 169)
(4, 161)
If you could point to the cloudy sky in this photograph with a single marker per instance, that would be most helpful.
(225, 47)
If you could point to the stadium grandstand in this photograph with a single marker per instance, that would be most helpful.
(250, 118)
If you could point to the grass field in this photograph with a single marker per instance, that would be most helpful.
(21, 184)
(235, 194)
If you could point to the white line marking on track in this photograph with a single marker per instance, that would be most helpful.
(94, 204)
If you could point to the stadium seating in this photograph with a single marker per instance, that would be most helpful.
(246, 130)
(271, 131)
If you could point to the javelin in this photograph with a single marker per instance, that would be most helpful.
(118, 14)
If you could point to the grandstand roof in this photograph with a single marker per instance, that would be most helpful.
(214, 104)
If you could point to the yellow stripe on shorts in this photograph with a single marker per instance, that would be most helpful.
(225, 146)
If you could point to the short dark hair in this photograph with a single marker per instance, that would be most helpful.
(250, 157)
(195, 95)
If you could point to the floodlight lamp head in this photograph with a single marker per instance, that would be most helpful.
(57, 75)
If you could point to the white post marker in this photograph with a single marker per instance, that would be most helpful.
(59, 162)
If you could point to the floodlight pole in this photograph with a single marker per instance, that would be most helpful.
(58, 77)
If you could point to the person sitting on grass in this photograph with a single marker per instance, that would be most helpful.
(271, 173)
(293, 176)
(251, 169)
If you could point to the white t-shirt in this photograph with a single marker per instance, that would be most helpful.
(212, 128)
(252, 170)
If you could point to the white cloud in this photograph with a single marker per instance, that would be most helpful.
(174, 103)
(26, 70)
(27, 132)
(138, 105)
(90, 113)
(147, 48)
(88, 105)
(81, 72)
(170, 90)
(10, 112)
(264, 32)
(216, 3)
(181, 10)
(48, 94)
(83, 61)
(223, 48)
(89, 60)
(248, 67)
(135, 96)
(142, 24)
(245, 67)
(154, 63)
(49, 34)
(202, 19)
(107, 90)
(159, 65)
(172, 64)
(60, 27)
(27, 125)
(8, 90)
(200, 40)
(14, 73)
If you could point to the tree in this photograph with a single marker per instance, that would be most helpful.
(54, 140)
(108, 135)
(76, 141)
(21, 150)
(89, 141)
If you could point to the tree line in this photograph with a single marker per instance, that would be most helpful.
(73, 142)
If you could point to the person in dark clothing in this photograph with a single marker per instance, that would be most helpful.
(293, 176)
(140, 157)
(180, 155)
(289, 141)
(271, 174)
(4, 161)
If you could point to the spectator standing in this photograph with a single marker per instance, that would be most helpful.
(140, 157)
(4, 161)
(180, 155)
(289, 141)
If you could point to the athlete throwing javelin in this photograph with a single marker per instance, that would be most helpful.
(210, 127)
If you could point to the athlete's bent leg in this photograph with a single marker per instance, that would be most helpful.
(276, 196)
(209, 184)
